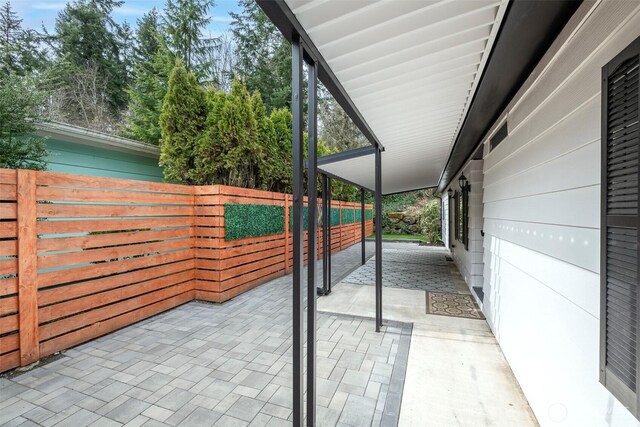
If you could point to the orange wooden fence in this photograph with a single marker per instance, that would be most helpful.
(83, 256)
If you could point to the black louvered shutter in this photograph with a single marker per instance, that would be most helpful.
(620, 313)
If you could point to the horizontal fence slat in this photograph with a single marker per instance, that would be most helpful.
(71, 307)
(8, 305)
(8, 229)
(99, 270)
(82, 320)
(9, 324)
(74, 211)
(8, 286)
(81, 226)
(8, 176)
(8, 248)
(111, 239)
(75, 290)
(85, 181)
(109, 196)
(118, 252)
(8, 192)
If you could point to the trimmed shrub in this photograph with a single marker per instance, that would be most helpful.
(251, 220)
(348, 216)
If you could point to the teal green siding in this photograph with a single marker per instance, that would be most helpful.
(80, 159)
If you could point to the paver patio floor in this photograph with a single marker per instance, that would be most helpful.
(409, 266)
(218, 364)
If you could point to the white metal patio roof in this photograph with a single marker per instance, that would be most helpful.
(424, 79)
(410, 68)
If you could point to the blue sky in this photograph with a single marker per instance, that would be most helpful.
(36, 13)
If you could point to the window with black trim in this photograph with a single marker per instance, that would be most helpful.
(620, 220)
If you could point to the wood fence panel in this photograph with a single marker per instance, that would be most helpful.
(82, 256)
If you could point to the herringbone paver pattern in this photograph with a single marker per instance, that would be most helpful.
(217, 365)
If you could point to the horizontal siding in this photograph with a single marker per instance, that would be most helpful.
(542, 225)
(67, 157)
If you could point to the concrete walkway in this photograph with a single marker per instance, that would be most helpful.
(457, 374)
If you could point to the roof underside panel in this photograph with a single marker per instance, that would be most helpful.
(411, 69)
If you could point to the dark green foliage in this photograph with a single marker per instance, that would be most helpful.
(358, 215)
(20, 49)
(184, 22)
(263, 55)
(21, 106)
(250, 220)
(369, 214)
(182, 123)
(335, 216)
(152, 65)
(87, 37)
(348, 216)
(305, 218)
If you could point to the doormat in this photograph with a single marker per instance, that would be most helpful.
(455, 305)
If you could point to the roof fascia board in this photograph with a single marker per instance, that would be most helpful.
(92, 138)
(528, 30)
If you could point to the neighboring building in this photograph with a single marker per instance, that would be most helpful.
(77, 150)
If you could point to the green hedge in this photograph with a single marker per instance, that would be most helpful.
(348, 217)
(305, 218)
(358, 215)
(250, 220)
(335, 216)
(369, 214)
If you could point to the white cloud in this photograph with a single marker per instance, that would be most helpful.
(126, 10)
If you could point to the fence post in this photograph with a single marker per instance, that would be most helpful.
(27, 267)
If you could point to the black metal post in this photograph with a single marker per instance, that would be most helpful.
(363, 215)
(312, 239)
(298, 230)
(378, 208)
(325, 229)
(329, 235)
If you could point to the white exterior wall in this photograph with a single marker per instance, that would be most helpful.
(470, 262)
(542, 220)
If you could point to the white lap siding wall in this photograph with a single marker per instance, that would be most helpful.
(542, 220)
(470, 261)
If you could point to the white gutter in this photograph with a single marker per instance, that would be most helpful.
(79, 135)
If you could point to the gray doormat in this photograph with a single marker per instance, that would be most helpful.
(454, 305)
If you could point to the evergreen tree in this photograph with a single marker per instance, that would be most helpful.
(20, 51)
(21, 106)
(152, 65)
(184, 21)
(87, 39)
(277, 163)
(263, 56)
(242, 154)
(182, 122)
